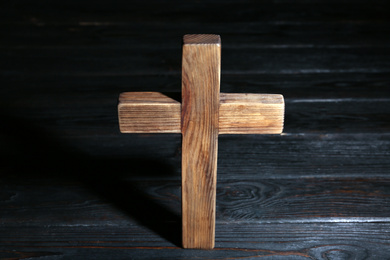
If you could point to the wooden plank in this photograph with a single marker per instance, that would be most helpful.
(127, 61)
(148, 112)
(259, 34)
(98, 116)
(305, 155)
(251, 114)
(104, 89)
(316, 154)
(200, 103)
(113, 200)
(90, 13)
(238, 241)
(153, 112)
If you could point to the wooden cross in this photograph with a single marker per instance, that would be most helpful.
(203, 114)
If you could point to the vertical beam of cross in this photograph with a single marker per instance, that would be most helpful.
(203, 114)
(200, 105)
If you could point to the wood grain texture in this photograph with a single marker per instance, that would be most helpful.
(302, 12)
(148, 112)
(301, 35)
(318, 103)
(200, 103)
(153, 112)
(255, 156)
(251, 114)
(280, 218)
(299, 241)
(117, 201)
(320, 191)
(82, 61)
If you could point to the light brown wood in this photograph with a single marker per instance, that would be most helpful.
(200, 104)
(203, 114)
(148, 112)
(251, 114)
(154, 112)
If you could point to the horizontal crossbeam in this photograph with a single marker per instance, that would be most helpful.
(148, 112)
(154, 112)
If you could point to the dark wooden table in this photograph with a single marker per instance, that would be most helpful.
(73, 187)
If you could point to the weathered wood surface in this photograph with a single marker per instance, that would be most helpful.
(123, 200)
(125, 61)
(114, 216)
(251, 114)
(302, 241)
(305, 155)
(148, 112)
(199, 127)
(155, 112)
(323, 185)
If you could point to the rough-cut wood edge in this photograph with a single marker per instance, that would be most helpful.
(148, 112)
(251, 113)
(200, 104)
(201, 39)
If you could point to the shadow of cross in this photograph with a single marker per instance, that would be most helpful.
(203, 114)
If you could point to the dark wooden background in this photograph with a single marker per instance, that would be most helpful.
(73, 187)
